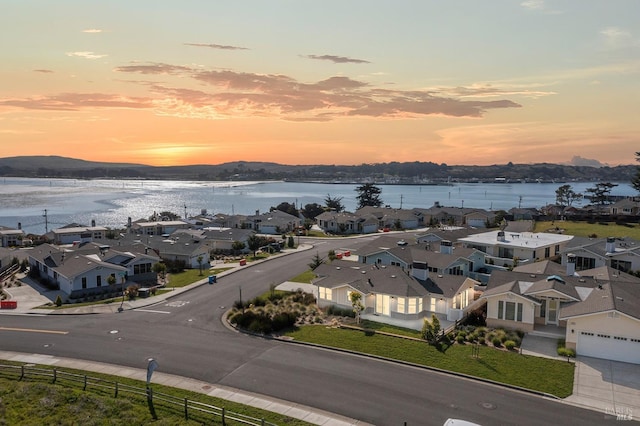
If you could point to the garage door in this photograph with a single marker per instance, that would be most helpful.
(609, 346)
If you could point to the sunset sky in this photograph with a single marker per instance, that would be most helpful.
(321, 82)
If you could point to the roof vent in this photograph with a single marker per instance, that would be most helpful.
(364, 272)
(393, 276)
(337, 267)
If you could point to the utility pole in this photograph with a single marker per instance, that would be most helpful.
(401, 197)
(46, 222)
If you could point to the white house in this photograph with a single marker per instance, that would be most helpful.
(619, 253)
(10, 237)
(505, 247)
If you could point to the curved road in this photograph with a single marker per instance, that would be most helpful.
(186, 335)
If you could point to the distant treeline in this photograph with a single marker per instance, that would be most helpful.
(411, 172)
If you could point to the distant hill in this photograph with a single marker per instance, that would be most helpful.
(392, 172)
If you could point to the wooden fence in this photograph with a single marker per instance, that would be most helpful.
(191, 409)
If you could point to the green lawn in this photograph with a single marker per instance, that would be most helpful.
(23, 401)
(304, 277)
(190, 276)
(554, 377)
(586, 229)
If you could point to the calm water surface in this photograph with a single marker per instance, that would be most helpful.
(111, 202)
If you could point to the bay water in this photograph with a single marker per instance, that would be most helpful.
(39, 205)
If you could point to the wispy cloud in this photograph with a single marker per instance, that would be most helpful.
(92, 30)
(337, 59)
(86, 55)
(217, 46)
(539, 6)
(43, 71)
(617, 38)
(76, 101)
(241, 94)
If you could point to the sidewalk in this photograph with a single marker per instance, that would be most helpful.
(302, 412)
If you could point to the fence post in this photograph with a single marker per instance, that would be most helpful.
(22, 372)
(116, 392)
(85, 383)
(186, 409)
(55, 375)
(262, 422)
(224, 422)
(152, 409)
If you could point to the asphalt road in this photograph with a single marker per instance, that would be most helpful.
(187, 337)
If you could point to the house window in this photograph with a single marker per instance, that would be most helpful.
(142, 268)
(84, 282)
(620, 265)
(325, 293)
(557, 249)
(583, 263)
(456, 270)
(413, 305)
(510, 311)
(99, 281)
(401, 305)
(547, 252)
(543, 309)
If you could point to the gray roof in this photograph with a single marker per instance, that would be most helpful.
(619, 296)
(544, 267)
(390, 280)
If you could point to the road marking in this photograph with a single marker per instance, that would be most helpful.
(33, 330)
(152, 311)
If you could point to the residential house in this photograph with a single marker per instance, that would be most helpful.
(222, 239)
(391, 292)
(452, 216)
(619, 253)
(76, 274)
(10, 237)
(192, 250)
(75, 233)
(275, 222)
(163, 227)
(596, 311)
(346, 223)
(525, 213)
(389, 218)
(513, 248)
(6, 257)
(625, 207)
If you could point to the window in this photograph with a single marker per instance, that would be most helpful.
(413, 305)
(325, 293)
(620, 265)
(99, 281)
(84, 282)
(557, 249)
(456, 270)
(143, 268)
(543, 309)
(401, 305)
(583, 263)
(547, 252)
(510, 311)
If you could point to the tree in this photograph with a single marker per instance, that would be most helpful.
(165, 215)
(635, 182)
(199, 260)
(237, 246)
(161, 270)
(600, 193)
(310, 211)
(368, 195)
(287, 208)
(254, 242)
(356, 302)
(316, 261)
(333, 203)
(431, 330)
(290, 242)
(566, 196)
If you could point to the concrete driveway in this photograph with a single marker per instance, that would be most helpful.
(610, 386)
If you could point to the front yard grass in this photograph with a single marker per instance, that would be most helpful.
(190, 276)
(551, 376)
(304, 277)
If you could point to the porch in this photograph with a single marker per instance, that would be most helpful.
(548, 330)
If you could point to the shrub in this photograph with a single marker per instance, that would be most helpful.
(460, 338)
(481, 341)
(496, 342)
(58, 301)
(569, 353)
(510, 344)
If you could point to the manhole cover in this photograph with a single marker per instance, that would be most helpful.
(488, 405)
(206, 387)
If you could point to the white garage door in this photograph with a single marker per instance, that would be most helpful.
(609, 346)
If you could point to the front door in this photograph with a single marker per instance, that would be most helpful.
(552, 311)
(382, 304)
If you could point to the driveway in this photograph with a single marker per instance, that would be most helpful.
(610, 386)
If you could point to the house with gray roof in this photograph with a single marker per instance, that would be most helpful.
(75, 233)
(588, 253)
(596, 310)
(389, 292)
(274, 222)
(10, 237)
(184, 246)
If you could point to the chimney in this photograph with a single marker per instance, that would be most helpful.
(501, 237)
(420, 270)
(257, 212)
(571, 264)
(19, 225)
(93, 223)
(610, 247)
(446, 247)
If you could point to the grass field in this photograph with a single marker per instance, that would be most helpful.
(551, 376)
(34, 401)
(586, 229)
